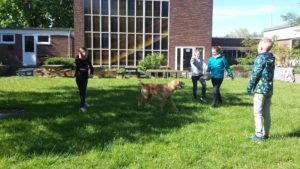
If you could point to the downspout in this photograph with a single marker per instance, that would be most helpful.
(69, 43)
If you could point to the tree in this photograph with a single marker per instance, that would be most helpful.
(36, 13)
(241, 33)
(291, 18)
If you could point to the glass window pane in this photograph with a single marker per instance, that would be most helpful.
(104, 41)
(123, 58)
(87, 23)
(114, 41)
(96, 23)
(131, 7)
(139, 41)
(165, 56)
(96, 40)
(96, 7)
(165, 9)
(87, 7)
(156, 25)
(10, 38)
(122, 7)
(122, 41)
(105, 57)
(164, 26)
(114, 24)
(104, 7)
(122, 24)
(139, 25)
(139, 56)
(96, 57)
(139, 8)
(148, 8)
(130, 41)
(104, 24)
(148, 41)
(114, 7)
(88, 40)
(148, 25)
(29, 44)
(164, 42)
(156, 8)
(156, 43)
(148, 53)
(131, 25)
(130, 59)
(114, 57)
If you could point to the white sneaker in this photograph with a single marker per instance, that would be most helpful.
(83, 109)
(86, 105)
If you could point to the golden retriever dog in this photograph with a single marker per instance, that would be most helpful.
(164, 91)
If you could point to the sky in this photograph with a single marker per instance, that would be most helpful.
(255, 15)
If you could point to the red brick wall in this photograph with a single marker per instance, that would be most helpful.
(78, 8)
(190, 25)
(11, 54)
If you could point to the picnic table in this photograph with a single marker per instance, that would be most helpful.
(25, 72)
(167, 73)
(130, 70)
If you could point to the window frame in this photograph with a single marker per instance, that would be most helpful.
(43, 43)
(7, 42)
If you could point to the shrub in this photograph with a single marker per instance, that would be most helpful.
(153, 61)
(67, 62)
(296, 70)
(248, 60)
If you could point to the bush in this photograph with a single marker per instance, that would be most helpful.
(246, 60)
(67, 62)
(296, 70)
(153, 61)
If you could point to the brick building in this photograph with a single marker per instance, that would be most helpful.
(29, 46)
(119, 33)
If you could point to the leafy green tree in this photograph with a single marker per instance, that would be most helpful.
(242, 33)
(153, 61)
(36, 13)
(291, 18)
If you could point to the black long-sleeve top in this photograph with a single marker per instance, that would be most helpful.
(83, 66)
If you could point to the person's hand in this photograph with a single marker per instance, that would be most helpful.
(79, 55)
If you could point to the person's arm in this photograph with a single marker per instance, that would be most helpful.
(227, 67)
(77, 68)
(208, 66)
(256, 74)
(91, 68)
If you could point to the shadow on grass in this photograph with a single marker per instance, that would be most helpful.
(54, 124)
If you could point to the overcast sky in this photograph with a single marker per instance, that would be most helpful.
(255, 15)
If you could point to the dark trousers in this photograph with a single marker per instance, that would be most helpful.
(195, 80)
(81, 81)
(216, 82)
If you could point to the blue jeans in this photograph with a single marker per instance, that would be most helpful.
(195, 80)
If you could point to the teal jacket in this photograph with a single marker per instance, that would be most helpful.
(216, 67)
(262, 74)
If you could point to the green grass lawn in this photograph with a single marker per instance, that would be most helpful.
(115, 133)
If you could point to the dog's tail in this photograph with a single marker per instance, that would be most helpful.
(140, 83)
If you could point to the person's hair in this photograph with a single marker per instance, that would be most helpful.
(82, 48)
(265, 44)
(217, 48)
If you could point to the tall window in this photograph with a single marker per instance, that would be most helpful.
(120, 33)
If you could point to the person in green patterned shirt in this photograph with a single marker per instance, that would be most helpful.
(261, 83)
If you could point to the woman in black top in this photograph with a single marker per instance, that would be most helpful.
(83, 65)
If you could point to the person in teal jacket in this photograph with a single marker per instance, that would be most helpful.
(216, 65)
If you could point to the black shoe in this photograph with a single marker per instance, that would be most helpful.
(194, 98)
(266, 137)
(203, 99)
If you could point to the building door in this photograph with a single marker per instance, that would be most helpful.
(29, 50)
(183, 57)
